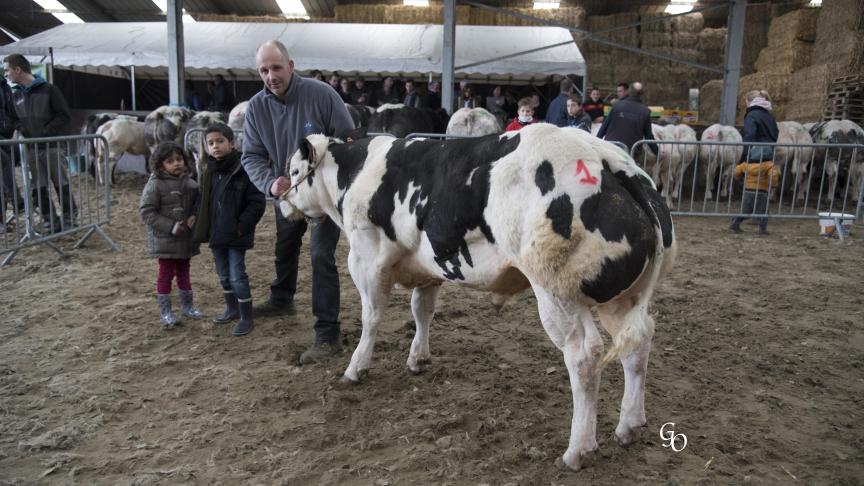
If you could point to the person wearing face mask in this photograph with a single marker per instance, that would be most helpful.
(288, 109)
(525, 116)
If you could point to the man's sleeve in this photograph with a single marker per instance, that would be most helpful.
(602, 132)
(340, 122)
(60, 113)
(255, 159)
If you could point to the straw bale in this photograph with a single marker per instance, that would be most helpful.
(809, 90)
(709, 101)
(784, 59)
(685, 40)
(798, 25)
(663, 26)
(656, 39)
(777, 86)
(712, 40)
(688, 23)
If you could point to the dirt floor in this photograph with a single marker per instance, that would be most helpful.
(758, 360)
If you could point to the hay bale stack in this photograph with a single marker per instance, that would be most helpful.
(784, 59)
(709, 101)
(712, 43)
(809, 90)
(840, 33)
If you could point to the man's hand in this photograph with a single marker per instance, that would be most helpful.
(280, 185)
(190, 221)
(178, 229)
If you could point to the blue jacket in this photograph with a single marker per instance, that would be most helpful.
(557, 112)
(628, 122)
(234, 204)
(760, 126)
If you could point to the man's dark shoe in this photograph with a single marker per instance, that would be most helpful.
(274, 308)
(735, 229)
(320, 351)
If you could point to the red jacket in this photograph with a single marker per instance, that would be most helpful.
(516, 125)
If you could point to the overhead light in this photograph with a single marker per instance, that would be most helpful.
(59, 11)
(10, 34)
(187, 19)
(161, 4)
(546, 5)
(679, 6)
(292, 9)
(415, 3)
(815, 3)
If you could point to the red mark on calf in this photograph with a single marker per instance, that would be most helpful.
(709, 136)
(588, 178)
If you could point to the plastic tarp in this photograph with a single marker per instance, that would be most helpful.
(211, 47)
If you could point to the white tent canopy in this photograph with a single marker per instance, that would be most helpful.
(364, 49)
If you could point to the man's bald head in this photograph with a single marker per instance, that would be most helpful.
(636, 88)
(274, 66)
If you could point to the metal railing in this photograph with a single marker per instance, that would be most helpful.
(810, 178)
(47, 193)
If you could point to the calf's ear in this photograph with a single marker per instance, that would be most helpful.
(307, 150)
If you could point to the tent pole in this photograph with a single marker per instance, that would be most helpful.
(132, 76)
(449, 56)
(176, 60)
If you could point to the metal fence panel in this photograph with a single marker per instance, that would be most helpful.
(706, 178)
(49, 191)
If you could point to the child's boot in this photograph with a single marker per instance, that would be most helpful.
(168, 317)
(244, 325)
(187, 305)
(231, 309)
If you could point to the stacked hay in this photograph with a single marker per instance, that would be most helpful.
(712, 44)
(397, 14)
(777, 86)
(839, 42)
(570, 16)
(790, 42)
(709, 101)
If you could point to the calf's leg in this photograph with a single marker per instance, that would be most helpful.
(423, 308)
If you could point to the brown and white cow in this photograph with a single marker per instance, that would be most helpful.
(123, 135)
(793, 161)
(195, 140)
(552, 209)
(166, 123)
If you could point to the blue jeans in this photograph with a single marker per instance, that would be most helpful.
(231, 268)
(325, 274)
(755, 203)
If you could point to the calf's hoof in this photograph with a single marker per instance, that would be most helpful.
(361, 376)
(421, 366)
(628, 435)
(580, 462)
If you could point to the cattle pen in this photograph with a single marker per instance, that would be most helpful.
(756, 360)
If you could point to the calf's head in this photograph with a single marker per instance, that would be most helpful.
(304, 198)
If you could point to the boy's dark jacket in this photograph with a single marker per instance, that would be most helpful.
(230, 207)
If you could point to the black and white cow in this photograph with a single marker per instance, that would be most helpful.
(360, 114)
(201, 120)
(403, 120)
(843, 166)
(553, 209)
(91, 125)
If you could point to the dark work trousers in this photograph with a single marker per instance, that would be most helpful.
(325, 275)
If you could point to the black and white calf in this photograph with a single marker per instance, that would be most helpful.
(556, 210)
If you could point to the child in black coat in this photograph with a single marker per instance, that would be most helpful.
(230, 208)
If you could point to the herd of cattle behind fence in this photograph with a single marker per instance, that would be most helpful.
(816, 180)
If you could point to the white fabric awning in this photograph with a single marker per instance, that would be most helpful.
(364, 49)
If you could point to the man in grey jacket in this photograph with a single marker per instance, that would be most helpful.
(288, 109)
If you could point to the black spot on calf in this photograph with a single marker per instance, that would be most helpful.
(560, 211)
(544, 177)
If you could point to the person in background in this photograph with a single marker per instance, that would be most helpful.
(412, 97)
(230, 208)
(433, 95)
(345, 90)
(193, 100)
(622, 91)
(360, 94)
(537, 104)
(8, 123)
(288, 109)
(629, 120)
(495, 105)
(467, 98)
(525, 118)
(388, 93)
(42, 111)
(576, 117)
(167, 207)
(316, 75)
(761, 173)
(333, 81)
(223, 98)
(595, 106)
(557, 112)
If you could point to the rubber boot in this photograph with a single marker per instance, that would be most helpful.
(244, 325)
(70, 209)
(231, 309)
(187, 305)
(168, 317)
(42, 199)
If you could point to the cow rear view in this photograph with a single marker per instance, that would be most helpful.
(557, 210)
